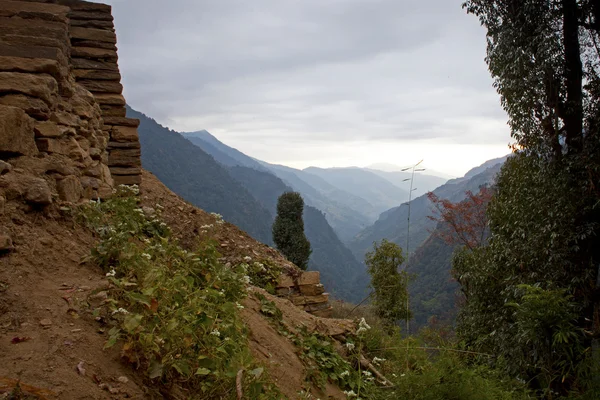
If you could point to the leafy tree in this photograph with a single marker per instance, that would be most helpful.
(390, 298)
(288, 229)
(467, 219)
(532, 293)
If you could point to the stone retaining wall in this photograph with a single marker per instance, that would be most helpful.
(62, 114)
(306, 292)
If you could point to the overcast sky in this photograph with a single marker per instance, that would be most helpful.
(317, 82)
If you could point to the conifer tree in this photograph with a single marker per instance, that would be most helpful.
(288, 229)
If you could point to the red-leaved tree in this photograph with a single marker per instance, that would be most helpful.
(466, 219)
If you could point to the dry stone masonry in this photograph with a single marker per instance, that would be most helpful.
(306, 292)
(63, 131)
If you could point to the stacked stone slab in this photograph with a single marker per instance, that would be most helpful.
(306, 292)
(94, 58)
(62, 114)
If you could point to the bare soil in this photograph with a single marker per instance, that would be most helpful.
(54, 348)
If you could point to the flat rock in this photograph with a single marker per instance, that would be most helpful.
(38, 192)
(306, 278)
(33, 65)
(124, 134)
(46, 322)
(102, 86)
(94, 53)
(97, 74)
(44, 41)
(92, 43)
(85, 63)
(41, 86)
(91, 23)
(65, 118)
(69, 189)
(100, 15)
(90, 6)
(64, 146)
(99, 35)
(16, 132)
(6, 244)
(122, 121)
(29, 51)
(47, 129)
(4, 167)
(27, 10)
(110, 99)
(35, 28)
(113, 111)
(35, 108)
(127, 179)
(125, 171)
(124, 145)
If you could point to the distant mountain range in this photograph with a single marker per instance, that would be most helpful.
(392, 224)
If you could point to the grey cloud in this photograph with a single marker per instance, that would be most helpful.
(310, 71)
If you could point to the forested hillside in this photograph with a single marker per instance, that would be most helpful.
(194, 175)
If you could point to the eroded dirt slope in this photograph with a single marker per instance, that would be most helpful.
(52, 344)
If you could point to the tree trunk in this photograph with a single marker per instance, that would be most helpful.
(573, 77)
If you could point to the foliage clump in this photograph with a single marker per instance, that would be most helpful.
(288, 229)
(173, 312)
(390, 297)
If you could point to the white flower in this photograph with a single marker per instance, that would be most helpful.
(120, 310)
(377, 360)
(239, 306)
(112, 272)
(222, 292)
(367, 373)
(163, 224)
(260, 266)
(363, 324)
(206, 226)
(247, 258)
(245, 279)
(139, 210)
(215, 332)
(350, 394)
(147, 256)
(350, 346)
(345, 373)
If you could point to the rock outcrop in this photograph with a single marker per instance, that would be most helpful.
(63, 131)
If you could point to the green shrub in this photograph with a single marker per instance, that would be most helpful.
(174, 312)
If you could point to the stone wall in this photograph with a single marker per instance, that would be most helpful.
(306, 292)
(63, 131)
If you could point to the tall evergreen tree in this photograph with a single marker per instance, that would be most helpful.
(288, 229)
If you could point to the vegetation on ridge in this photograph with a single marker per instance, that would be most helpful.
(173, 312)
